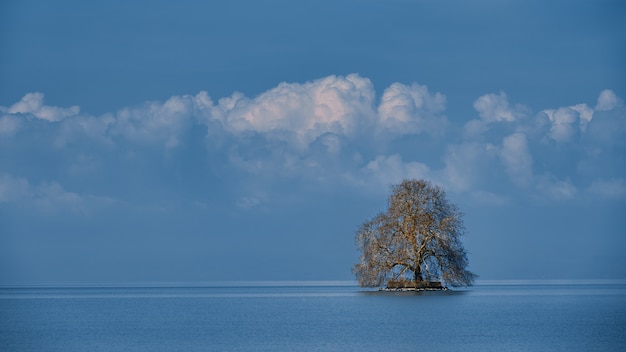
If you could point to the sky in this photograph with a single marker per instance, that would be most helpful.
(156, 141)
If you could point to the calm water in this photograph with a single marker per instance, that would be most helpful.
(289, 317)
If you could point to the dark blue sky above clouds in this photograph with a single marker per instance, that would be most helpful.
(180, 141)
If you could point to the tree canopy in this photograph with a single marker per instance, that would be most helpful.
(417, 238)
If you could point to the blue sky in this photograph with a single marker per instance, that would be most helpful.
(247, 140)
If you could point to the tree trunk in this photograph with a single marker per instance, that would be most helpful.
(418, 274)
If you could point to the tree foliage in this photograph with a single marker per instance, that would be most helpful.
(417, 238)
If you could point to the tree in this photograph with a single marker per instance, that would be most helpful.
(417, 239)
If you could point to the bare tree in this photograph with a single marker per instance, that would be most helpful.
(417, 239)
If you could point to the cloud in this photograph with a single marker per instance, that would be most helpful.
(608, 101)
(585, 115)
(80, 129)
(490, 198)
(13, 189)
(550, 187)
(608, 189)
(566, 124)
(251, 201)
(387, 170)
(325, 132)
(517, 160)
(162, 123)
(295, 113)
(493, 109)
(555, 154)
(48, 197)
(607, 127)
(412, 110)
(465, 165)
(571, 123)
(496, 107)
(9, 125)
(300, 113)
(33, 104)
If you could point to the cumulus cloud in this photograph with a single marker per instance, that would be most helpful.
(465, 165)
(556, 153)
(607, 127)
(387, 170)
(302, 128)
(78, 129)
(13, 189)
(553, 188)
(295, 113)
(608, 101)
(164, 123)
(571, 123)
(496, 107)
(300, 113)
(490, 198)
(608, 189)
(585, 114)
(517, 160)
(492, 109)
(411, 110)
(565, 124)
(33, 104)
(330, 130)
(49, 197)
(9, 125)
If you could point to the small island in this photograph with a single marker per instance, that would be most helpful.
(410, 285)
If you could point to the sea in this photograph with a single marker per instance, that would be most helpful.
(314, 316)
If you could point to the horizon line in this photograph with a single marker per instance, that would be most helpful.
(289, 283)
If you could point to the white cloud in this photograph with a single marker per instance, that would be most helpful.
(300, 130)
(331, 143)
(49, 197)
(52, 197)
(608, 101)
(520, 150)
(13, 189)
(388, 170)
(33, 103)
(517, 160)
(251, 201)
(489, 198)
(608, 189)
(466, 164)
(9, 125)
(248, 202)
(565, 124)
(608, 127)
(475, 128)
(411, 110)
(585, 115)
(569, 123)
(494, 108)
(330, 130)
(300, 113)
(165, 123)
(550, 187)
(78, 129)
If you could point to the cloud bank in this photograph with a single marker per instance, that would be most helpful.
(326, 134)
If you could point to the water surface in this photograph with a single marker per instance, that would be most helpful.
(327, 316)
